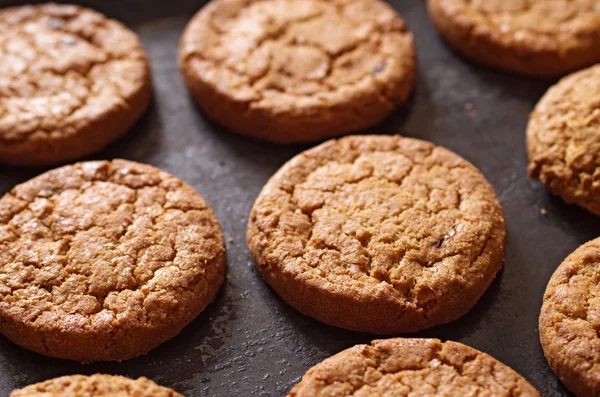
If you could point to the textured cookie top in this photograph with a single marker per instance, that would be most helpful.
(412, 367)
(570, 320)
(533, 26)
(381, 218)
(101, 247)
(300, 54)
(95, 386)
(563, 139)
(63, 67)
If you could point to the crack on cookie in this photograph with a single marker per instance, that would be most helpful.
(569, 322)
(543, 39)
(385, 276)
(562, 126)
(96, 385)
(537, 10)
(134, 179)
(287, 232)
(405, 366)
(76, 76)
(326, 87)
(524, 6)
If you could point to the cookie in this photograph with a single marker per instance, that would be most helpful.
(95, 386)
(71, 82)
(563, 140)
(380, 234)
(297, 70)
(412, 367)
(105, 260)
(541, 38)
(570, 319)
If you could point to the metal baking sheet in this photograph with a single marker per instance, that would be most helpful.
(249, 342)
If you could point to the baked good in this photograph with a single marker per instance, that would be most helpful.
(563, 139)
(105, 260)
(380, 234)
(71, 82)
(570, 319)
(412, 367)
(95, 386)
(541, 38)
(297, 70)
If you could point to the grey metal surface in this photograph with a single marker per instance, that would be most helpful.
(248, 342)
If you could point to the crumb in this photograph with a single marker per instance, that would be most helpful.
(230, 240)
(544, 212)
(470, 109)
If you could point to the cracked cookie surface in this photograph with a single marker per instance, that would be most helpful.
(563, 139)
(541, 38)
(71, 82)
(298, 70)
(381, 234)
(95, 386)
(570, 320)
(412, 367)
(105, 260)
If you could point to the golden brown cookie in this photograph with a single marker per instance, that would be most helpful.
(563, 139)
(540, 38)
(71, 82)
(297, 70)
(105, 260)
(412, 367)
(570, 320)
(95, 386)
(381, 234)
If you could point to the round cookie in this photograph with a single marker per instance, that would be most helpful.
(563, 139)
(380, 234)
(71, 82)
(539, 38)
(95, 386)
(570, 319)
(412, 367)
(297, 70)
(105, 260)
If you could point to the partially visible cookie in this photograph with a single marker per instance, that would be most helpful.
(297, 70)
(380, 234)
(105, 260)
(71, 82)
(563, 139)
(540, 38)
(412, 367)
(570, 320)
(95, 386)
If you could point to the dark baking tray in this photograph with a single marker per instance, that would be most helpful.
(249, 342)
